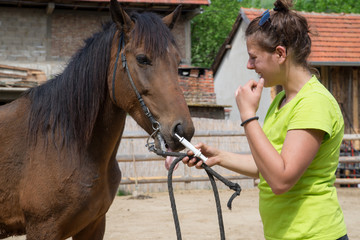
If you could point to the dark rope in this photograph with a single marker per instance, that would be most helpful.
(218, 206)
(211, 173)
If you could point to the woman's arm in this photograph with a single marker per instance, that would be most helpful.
(282, 171)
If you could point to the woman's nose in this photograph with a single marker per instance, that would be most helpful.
(250, 65)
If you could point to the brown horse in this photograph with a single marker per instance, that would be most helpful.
(58, 172)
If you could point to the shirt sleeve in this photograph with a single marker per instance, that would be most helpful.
(313, 111)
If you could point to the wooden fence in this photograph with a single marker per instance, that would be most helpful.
(145, 171)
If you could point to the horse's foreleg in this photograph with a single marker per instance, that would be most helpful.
(94, 231)
(42, 232)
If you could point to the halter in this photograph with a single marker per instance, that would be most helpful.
(155, 124)
(162, 152)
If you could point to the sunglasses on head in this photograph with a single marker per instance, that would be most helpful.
(264, 17)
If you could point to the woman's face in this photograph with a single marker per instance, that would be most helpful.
(264, 63)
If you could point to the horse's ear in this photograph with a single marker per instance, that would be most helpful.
(120, 17)
(171, 19)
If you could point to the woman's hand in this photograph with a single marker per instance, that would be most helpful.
(211, 153)
(248, 98)
(240, 163)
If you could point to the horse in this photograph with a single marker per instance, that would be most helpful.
(58, 168)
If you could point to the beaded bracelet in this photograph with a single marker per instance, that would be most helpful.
(249, 120)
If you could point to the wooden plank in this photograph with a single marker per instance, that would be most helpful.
(153, 157)
(138, 157)
(9, 75)
(351, 137)
(17, 68)
(209, 133)
(187, 179)
(347, 181)
(28, 73)
(143, 134)
(355, 105)
(324, 76)
(338, 181)
(349, 159)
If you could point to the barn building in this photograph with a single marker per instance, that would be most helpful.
(335, 54)
(38, 37)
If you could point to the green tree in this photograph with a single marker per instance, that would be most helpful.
(328, 6)
(210, 28)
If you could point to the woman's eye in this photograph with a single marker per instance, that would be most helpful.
(143, 60)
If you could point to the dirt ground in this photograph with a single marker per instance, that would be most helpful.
(151, 218)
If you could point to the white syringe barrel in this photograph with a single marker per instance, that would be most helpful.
(186, 143)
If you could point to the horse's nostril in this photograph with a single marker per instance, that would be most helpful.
(179, 129)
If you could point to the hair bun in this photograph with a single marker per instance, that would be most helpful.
(283, 5)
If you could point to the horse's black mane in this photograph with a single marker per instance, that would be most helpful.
(70, 102)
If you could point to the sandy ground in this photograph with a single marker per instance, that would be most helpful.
(151, 218)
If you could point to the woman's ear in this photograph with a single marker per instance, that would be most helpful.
(281, 53)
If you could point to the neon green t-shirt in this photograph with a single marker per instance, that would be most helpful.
(310, 209)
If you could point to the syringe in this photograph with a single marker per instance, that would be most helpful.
(186, 143)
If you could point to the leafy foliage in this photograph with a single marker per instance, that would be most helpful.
(210, 28)
(328, 6)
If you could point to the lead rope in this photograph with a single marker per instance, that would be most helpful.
(211, 173)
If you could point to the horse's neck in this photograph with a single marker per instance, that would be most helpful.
(108, 130)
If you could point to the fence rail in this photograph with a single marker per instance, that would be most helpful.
(153, 157)
(185, 179)
(216, 133)
(128, 158)
(201, 133)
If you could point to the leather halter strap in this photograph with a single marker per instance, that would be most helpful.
(155, 124)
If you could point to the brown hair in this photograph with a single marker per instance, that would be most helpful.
(285, 28)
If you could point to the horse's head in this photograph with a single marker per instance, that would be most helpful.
(152, 59)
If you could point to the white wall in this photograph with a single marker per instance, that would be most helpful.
(233, 72)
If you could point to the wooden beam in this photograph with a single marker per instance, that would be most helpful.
(324, 76)
(337, 183)
(186, 179)
(346, 181)
(122, 158)
(50, 8)
(17, 68)
(9, 75)
(355, 99)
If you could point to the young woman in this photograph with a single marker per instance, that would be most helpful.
(295, 154)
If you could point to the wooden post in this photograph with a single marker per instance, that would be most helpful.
(355, 94)
(324, 76)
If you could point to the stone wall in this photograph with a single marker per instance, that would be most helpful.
(23, 35)
(31, 38)
(30, 35)
(198, 85)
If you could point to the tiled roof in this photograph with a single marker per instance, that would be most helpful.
(197, 2)
(103, 5)
(335, 38)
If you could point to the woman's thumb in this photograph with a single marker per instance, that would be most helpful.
(260, 84)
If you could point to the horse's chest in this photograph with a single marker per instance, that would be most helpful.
(96, 194)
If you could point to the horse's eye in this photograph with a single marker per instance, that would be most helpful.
(143, 60)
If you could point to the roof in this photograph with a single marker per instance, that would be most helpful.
(103, 5)
(335, 37)
(197, 2)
